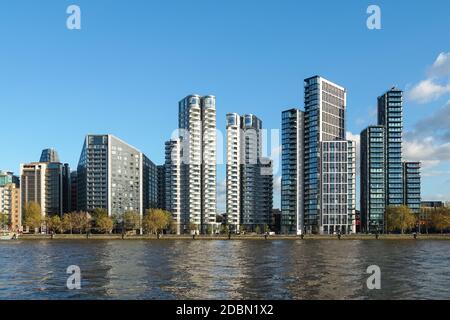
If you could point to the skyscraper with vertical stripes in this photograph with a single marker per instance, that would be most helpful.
(191, 166)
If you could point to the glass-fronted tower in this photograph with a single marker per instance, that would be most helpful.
(325, 104)
(385, 179)
(390, 116)
(373, 179)
(292, 176)
(49, 155)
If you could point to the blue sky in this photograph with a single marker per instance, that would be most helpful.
(126, 69)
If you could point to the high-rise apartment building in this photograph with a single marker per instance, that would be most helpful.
(249, 175)
(292, 176)
(115, 176)
(337, 181)
(195, 165)
(324, 133)
(233, 168)
(390, 116)
(43, 183)
(373, 179)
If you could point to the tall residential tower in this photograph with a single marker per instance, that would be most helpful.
(249, 175)
(292, 176)
(191, 165)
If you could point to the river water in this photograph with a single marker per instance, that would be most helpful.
(316, 269)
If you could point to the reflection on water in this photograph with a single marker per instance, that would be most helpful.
(325, 269)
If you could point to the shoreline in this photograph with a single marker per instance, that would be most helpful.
(362, 237)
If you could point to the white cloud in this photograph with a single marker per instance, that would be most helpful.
(429, 143)
(437, 83)
(437, 124)
(441, 67)
(428, 90)
(276, 185)
(427, 150)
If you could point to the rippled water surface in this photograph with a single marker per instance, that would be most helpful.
(316, 269)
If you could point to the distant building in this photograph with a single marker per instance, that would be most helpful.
(162, 187)
(358, 221)
(411, 182)
(7, 177)
(10, 205)
(113, 175)
(67, 192)
(73, 191)
(432, 204)
(426, 209)
(275, 224)
(49, 155)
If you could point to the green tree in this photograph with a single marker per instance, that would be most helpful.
(440, 219)
(99, 213)
(67, 222)
(54, 224)
(258, 230)
(4, 220)
(400, 218)
(131, 220)
(33, 215)
(104, 224)
(156, 220)
(98, 216)
(81, 221)
(266, 228)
